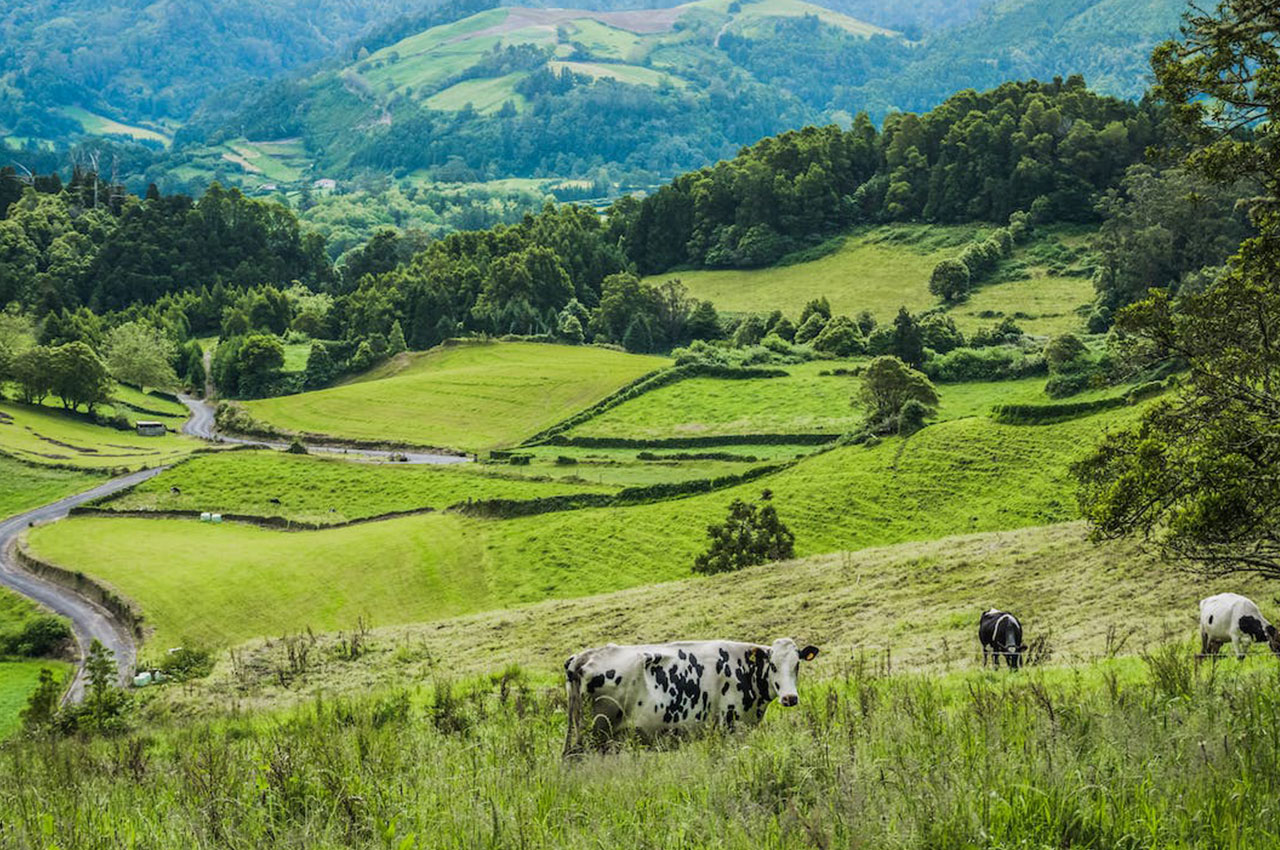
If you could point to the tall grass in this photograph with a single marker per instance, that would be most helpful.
(1092, 757)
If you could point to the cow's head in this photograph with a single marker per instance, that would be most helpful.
(1273, 638)
(783, 669)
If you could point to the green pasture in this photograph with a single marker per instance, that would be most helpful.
(100, 125)
(485, 95)
(149, 401)
(326, 490)
(957, 477)
(18, 678)
(28, 486)
(623, 467)
(633, 74)
(49, 436)
(470, 396)
(1045, 304)
(295, 356)
(749, 15)
(880, 270)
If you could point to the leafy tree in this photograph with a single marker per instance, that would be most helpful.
(818, 306)
(320, 370)
(939, 332)
(42, 705)
(78, 376)
(191, 365)
(908, 342)
(1064, 351)
(638, 338)
(887, 386)
(749, 332)
(33, 370)
(141, 355)
(950, 280)
(841, 338)
(395, 340)
(1199, 477)
(810, 328)
(704, 322)
(259, 358)
(751, 534)
(570, 329)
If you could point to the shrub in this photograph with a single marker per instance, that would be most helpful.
(41, 636)
(1063, 351)
(751, 534)
(841, 338)
(912, 416)
(940, 333)
(185, 663)
(887, 385)
(810, 328)
(296, 447)
(983, 364)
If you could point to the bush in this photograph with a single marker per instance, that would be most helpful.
(940, 333)
(912, 416)
(1070, 383)
(1045, 414)
(41, 636)
(984, 364)
(888, 385)
(296, 447)
(751, 534)
(810, 328)
(841, 338)
(184, 663)
(1063, 351)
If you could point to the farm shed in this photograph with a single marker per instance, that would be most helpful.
(147, 428)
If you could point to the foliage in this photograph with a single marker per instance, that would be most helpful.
(840, 337)
(887, 386)
(993, 363)
(751, 534)
(77, 376)
(950, 280)
(142, 356)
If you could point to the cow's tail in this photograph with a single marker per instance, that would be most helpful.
(573, 694)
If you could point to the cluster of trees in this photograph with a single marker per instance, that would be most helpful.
(951, 280)
(92, 243)
(1046, 148)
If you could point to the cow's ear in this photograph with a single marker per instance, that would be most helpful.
(809, 653)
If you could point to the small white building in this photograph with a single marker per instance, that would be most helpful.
(148, 428)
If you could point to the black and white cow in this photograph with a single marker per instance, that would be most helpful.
(1001, 635)
(651, 690)
(1232, 617)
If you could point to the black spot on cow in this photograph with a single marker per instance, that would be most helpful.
(609, 674)
(1252, 626)
(724, 689)
(596, 683)
(722, 663)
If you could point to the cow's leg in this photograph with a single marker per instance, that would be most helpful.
(1240, 644)
(986, 652)
(1204, 643)
(573, 734)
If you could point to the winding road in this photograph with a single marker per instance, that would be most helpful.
(88, 619)
(202, 424)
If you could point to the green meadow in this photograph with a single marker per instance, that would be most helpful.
(467, 396)
(325, 490)
(17, 680)
(963, 476)
(48, 435)
(28, 486)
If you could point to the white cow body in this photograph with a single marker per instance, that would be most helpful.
(1235, 618)
(652, 689)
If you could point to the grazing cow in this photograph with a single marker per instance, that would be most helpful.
(1001, 635)
(1232, 617)
(679, 687)
(274, 500)
(175, 491)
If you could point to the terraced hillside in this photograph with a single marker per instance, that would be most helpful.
(51, 436)
(470, 396)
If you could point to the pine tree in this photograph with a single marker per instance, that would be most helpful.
(395, 341)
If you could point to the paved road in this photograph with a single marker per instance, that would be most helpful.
(201, 424)
(88, 620)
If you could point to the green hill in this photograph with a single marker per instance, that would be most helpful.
(962, 476)
(467, 396)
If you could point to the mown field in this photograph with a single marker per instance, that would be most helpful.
(51, 436)
(806, 401)
(881, 269)
(956, 477)
(471, 396)
(324, 490)
(626, 467)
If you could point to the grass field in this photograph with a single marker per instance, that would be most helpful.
(26, 486)
(485, 95)
(46, 435)
(17, 680)
(1124, 754)
(884, 268)
(880, 270)
(969, 475)
(622, 467)
(922, 599)
(325, 490)
(474, 397)
(100, 125)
